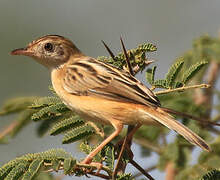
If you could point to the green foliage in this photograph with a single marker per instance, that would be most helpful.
(66, 124)
(173, 72)
(16, 105)
(78, 133)
(27, 167)
(125, 177)
(151, 133)
(86, 148)
(192, 71)
(53, 110)
(109, 156)
(150, 73)
(176, 153)
(136, 56)
(170, 81)
(212, 175)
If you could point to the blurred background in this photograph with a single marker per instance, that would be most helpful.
(171, 25)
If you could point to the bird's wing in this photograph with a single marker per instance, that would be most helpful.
(92, 77)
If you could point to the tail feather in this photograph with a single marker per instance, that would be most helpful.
(167, 120)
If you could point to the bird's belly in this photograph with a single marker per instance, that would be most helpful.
(104, 111)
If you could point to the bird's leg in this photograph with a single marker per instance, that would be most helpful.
(133, 131)
(118, 127)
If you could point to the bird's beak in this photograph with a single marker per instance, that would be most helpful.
(22, 51)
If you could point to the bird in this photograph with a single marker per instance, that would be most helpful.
(100, 92)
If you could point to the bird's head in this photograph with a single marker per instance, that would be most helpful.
(51, 50)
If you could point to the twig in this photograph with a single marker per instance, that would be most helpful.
(119, 158)
(182, 89)
(105, 168)
(103, 176)
(8, 129)
(141, 169)
(80, 165)
(147, 170)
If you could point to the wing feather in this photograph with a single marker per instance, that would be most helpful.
(92, 77)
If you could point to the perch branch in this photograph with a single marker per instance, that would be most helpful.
(182, 89)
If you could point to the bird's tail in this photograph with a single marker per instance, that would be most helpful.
(167, 120)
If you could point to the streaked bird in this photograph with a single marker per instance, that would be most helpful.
(100, 92)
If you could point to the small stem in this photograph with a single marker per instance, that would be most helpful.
(8, 129)
(103, 176)
(147, 170)
(141, 169)
(182, 89)
(119, 159)
(105, 168)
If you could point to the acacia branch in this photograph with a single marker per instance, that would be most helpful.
(182, 89)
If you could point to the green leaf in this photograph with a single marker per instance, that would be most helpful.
(177, 84)
(44, 126)
(5, 169)
(191, 72)
(161, 83)
(150, 75)
(147, 47)
(68, 165)
(17, 171)
(211, 175)
(66, 124)
(45, 101)
(50, 111)
(110, 156)
(85, 147)
(78, 133)
(22, 120)
(16, 105)
(33, 169)
(125, 177)
(173, 72)
(55, 164)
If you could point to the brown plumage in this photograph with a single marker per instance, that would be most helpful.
(99, 92)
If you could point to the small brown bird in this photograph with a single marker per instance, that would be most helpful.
(100, 92)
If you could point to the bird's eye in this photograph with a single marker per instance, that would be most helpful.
(49, 47)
